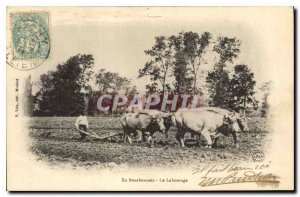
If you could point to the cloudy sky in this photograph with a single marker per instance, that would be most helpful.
(118, 37)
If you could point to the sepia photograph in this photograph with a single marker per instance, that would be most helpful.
(150, 98)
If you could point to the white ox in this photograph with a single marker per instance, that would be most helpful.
(209, 121)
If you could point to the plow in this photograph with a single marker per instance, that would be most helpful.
(90, 133)
(111, 135)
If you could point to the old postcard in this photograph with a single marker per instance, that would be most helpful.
(150, 98)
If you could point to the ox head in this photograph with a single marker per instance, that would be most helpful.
(236, 122)
(158, 122)
(169, 121)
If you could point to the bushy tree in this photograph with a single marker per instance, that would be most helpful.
(218, 81)
(106, 80)
(28, 99)
(180, 56)
(189, 48)
(182, 72)
(109, 83)
(228, 50)
(160, 63)
(241, 87)
(64, 91)
(218, 84)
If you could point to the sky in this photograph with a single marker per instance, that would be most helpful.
(118, 37)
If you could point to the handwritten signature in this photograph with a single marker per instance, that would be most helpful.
(234, 174)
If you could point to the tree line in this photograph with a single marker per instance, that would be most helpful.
(175, 65)
(182, 57)
(73, 88)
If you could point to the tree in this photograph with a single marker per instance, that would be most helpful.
(266, 89)
(43, 98)
(28, 97)
(218, 81)
(152, 87)
(189, 50)
(182, 72)
(183, 78)
(194, 49)
(113, 83)
(160, 62)
(106, 80)
(241, 87)
(218, 85)
(228, 49)
(64, 92)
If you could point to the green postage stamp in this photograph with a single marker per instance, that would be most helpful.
(30, 39)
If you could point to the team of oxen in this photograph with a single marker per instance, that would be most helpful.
(210, 122)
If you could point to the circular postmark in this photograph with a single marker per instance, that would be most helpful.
(258, 156)
(30, 41)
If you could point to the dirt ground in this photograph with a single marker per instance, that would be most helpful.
(55, 140)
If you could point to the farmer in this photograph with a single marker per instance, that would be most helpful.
(82, 125)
